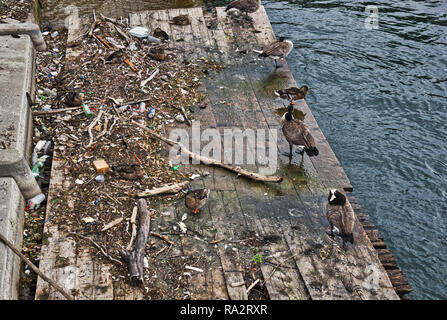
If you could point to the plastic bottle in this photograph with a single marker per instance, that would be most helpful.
(142, 107)
(37, 200)
(151, 113)
(46, 149)
(36, 171)
(87, 111)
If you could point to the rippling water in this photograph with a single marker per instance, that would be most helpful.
(380, 97)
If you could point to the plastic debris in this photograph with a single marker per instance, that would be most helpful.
(36, 201)
(182, 226)
(87, 111)
(139, 32)
(143, 107)
(151, 113)
(100, 178)
(180, 118)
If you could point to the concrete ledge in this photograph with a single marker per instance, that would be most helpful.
(17, 65)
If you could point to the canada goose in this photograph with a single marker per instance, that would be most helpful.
(297, 133)
(247, 6)
(293, 93)
(196, 199)
(160, 34)
(340, 216)
(74, 99)
(181, 20)
(278, 49)
(129, 172)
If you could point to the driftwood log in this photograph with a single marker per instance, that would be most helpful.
(209, 161)
(135, 258)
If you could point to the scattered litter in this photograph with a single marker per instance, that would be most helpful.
(37, 200)
(151, 113)
(100, 178)
(194, 268)
(101, 166)
(88, 220)
(139, 32)
(194, 176)
(182, 226)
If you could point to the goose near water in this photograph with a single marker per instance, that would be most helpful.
(341, 217)
(297, 133)
(196, 199)
(278, 49)
(247, 6)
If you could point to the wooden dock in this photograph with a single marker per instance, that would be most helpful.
(248, 231)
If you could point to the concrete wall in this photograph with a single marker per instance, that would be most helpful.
(17, 64)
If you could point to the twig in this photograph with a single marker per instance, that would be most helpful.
(216, 241)
(133, 221)
(97, 246)
(112, 20)
(112, 224)
(90, 33)
(114, 102)
(113, 124)
(52, 112)
(90, 127)
(278, 266)
(104, 131)
(153, 74)
(252, 285)
(168, 188)
(162, 237)
(35, 269)
(103, 41)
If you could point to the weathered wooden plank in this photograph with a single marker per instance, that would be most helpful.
(55, 252)
(281, 276)
(226, 223)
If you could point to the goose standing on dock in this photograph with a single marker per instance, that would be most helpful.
(247, 6)
(293, 93)
(341, 217)
(278, 49)
(297, 133)
(196, 199)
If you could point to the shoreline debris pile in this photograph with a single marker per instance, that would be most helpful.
(86, 107)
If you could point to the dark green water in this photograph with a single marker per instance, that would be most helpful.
(380, 97)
